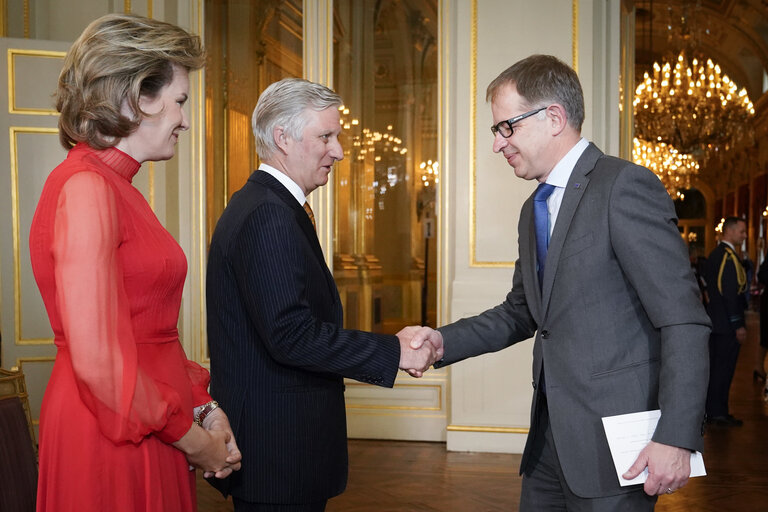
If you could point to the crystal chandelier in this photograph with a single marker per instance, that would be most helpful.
(695, 108)
(673, 168)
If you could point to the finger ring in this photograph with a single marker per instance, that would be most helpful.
(669, 491)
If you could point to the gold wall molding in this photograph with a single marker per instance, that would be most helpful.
(15, 220)
(34, 359)
(38, 359)
(438, 387)
(12, 54)
(575, 36)
(26, 19)
(444, 142)
(486, 429)
(3, 18)
(317, 18)
(473, 261)
(199, 237)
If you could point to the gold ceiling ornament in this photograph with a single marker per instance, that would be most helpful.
(674, 169)
(695, 107)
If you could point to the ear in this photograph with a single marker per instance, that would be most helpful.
(557, 117)
(281, 138)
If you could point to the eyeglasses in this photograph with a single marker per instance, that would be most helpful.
(506, 129)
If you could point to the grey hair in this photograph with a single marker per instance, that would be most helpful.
(283, 104)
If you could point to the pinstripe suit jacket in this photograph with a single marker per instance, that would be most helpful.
(618, 324)
(278, 352)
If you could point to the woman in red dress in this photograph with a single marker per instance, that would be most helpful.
(125, 413)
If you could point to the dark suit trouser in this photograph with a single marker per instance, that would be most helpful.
(247, 506)
(545, 489)
(723, 354)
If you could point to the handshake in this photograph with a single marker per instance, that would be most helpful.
(420, 347)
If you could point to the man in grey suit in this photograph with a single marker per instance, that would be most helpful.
(604, 284)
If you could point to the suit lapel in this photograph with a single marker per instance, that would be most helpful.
(265, 179)
(574, 191)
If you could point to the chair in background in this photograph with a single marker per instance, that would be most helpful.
(18, 450)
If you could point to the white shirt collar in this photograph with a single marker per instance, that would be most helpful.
(287, 182)
(562, 171)
(729, 244)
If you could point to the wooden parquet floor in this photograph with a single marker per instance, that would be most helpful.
(394, 476)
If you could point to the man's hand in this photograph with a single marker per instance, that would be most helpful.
(205, 449)
(669, 468)
(420, 347)
(217, 421)
(741, 335)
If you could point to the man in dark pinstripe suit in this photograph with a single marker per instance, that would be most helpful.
(278, 351)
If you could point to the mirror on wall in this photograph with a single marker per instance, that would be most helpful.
(385, 68)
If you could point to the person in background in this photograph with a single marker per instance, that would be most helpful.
(726, 282)
(125, 413)
(762, 348)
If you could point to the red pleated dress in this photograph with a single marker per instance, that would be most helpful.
(122, 388)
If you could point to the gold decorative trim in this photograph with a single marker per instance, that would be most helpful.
(395, 414)
(443, 143)
(34, 359)
(200, 237)
(487, 430)
(317, 66)
(127, 6)
(626, 83)
(575, 34)
(14, 130)
(26, 19)
(391, 408)
(149, 8)
(3, 18)
(473, 261)
(41, 359)
(400, 407)
(12, 53)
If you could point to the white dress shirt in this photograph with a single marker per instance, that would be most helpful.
(287, 182)
(559, 177)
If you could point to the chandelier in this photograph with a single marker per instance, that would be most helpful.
(673, 168)
(693, 107)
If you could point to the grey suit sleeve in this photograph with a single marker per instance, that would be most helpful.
(652, 255)
(506, 324)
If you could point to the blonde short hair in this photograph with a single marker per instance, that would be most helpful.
(118, 58)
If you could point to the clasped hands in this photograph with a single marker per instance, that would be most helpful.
(420, 348)
(211, 447)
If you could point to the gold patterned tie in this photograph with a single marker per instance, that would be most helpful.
(311, 215)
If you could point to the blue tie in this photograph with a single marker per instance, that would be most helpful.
(541, 222)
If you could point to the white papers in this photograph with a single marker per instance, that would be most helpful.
(628, 434)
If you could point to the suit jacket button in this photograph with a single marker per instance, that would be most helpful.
(544, 334)
(533, 383)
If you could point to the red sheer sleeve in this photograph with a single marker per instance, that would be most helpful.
(96, 318)
(199, 378)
